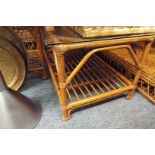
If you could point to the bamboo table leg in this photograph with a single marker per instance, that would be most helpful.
(138, 74)
(60, 63)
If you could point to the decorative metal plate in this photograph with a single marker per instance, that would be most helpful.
(12, 65)
(9, 35)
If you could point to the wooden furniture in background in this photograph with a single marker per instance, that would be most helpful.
(80, 76)
(123, 63)
(30, 35)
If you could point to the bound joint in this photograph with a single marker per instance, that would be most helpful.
(62, 85)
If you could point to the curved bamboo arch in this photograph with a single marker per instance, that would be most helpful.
(88, 55)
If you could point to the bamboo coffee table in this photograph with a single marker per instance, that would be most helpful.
(80, 76)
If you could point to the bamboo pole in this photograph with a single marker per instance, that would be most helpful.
(98, 97)
(102, 43)
(85, 76)
(52, 74)
(117, 73)
(83, 83)
(152, 99)
(82, 92)
(138, 74)
(102, 67)
(87, 56)
(94, 81)
(63, 81)
(142, 88)
(60, 59)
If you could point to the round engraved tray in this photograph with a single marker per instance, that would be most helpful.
(12, 65)
(9, 35)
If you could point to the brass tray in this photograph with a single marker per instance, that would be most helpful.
(9, 35)
(12, 65)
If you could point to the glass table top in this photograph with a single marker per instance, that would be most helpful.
(65, 35)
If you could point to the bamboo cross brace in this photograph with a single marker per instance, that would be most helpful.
(87, 56)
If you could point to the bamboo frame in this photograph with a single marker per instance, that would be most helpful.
(126, 85)
(73, 75)
(85, 59)
(142, 61)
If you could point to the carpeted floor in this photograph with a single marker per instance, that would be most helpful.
(118, 113)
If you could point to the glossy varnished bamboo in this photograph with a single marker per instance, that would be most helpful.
(142, 61)
(93, 88)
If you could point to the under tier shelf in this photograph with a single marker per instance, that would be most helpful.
(96, 79)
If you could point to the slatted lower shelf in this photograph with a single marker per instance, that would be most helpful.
(95, 79)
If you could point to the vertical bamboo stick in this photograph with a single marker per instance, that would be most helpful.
(81, 81)
(60, 59)
(91, 77)
(85, 77)
(82, 92)
(110, 73)
(98, 79)
(138, 74)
